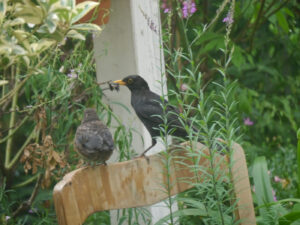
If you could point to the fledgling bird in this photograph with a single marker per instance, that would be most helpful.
(93, 139)
(147, 106)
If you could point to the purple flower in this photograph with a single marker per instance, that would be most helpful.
(7, 218)
(277, 179)
(72, 74)
(167, 10)
(189, 8)
(228, 19)
(248, 122)
(165, 7)
(32, 210)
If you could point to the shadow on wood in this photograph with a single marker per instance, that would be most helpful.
(137, 183)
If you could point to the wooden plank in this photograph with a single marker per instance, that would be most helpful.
(245, 211)
(137, 183)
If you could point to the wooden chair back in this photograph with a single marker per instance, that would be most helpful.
(137, 183)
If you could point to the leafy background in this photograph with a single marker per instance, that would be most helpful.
(46, 70)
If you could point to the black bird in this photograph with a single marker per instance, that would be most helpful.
(93, 140)
(148, 107)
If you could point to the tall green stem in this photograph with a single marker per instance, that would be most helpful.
(20, 151)
(12, 120)
(14, 130)
(298, 161)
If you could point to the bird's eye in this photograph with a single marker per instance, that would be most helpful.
(130, 81)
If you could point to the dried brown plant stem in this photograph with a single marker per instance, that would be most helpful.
(25, 206)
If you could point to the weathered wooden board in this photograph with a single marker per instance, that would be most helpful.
(138, 183)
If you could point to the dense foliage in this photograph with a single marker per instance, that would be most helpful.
(238, 57)
(264, 40)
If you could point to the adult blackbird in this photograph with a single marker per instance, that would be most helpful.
(93, 140)
(148, 107)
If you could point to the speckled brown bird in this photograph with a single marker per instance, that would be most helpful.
(93, 140)
(148, 107)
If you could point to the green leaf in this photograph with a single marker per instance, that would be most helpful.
(192, 202)
(5, 49)
(296, 207)
(74, 34)
(179, 213)
(42, 45)
(82, 9)
(86, 26)
(26, 60)
(62, 11)
(69, 3)
(263, 188)
(2, 10)
(15, 22)
(22, 37)
(298, 160)
(31, 14)
(282, 21)
(51, 22)
(238, 59)
(18, 50)
(289, 218)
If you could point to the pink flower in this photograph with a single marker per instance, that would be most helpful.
(274, 196)
(248, 122)
(189, 8)
(167, 10)
(165, 7)
(228, 19)
(184, 87)
(277, 179)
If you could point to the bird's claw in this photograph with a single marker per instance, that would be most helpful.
(146, 157)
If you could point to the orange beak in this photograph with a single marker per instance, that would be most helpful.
(119, 82)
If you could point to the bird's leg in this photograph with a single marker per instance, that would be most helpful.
(144, 153)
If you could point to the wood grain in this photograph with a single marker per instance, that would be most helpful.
(138, 183)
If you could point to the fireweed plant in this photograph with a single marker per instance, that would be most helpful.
(211, 201)
(211, 106)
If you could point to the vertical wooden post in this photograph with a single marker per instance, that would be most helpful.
(131, 44)
(241, 186)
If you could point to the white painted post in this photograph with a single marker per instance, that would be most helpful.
(131, 44)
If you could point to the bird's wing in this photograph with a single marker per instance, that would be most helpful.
(150, 109)
(94, 137)
(108, 143)
(89, 139)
